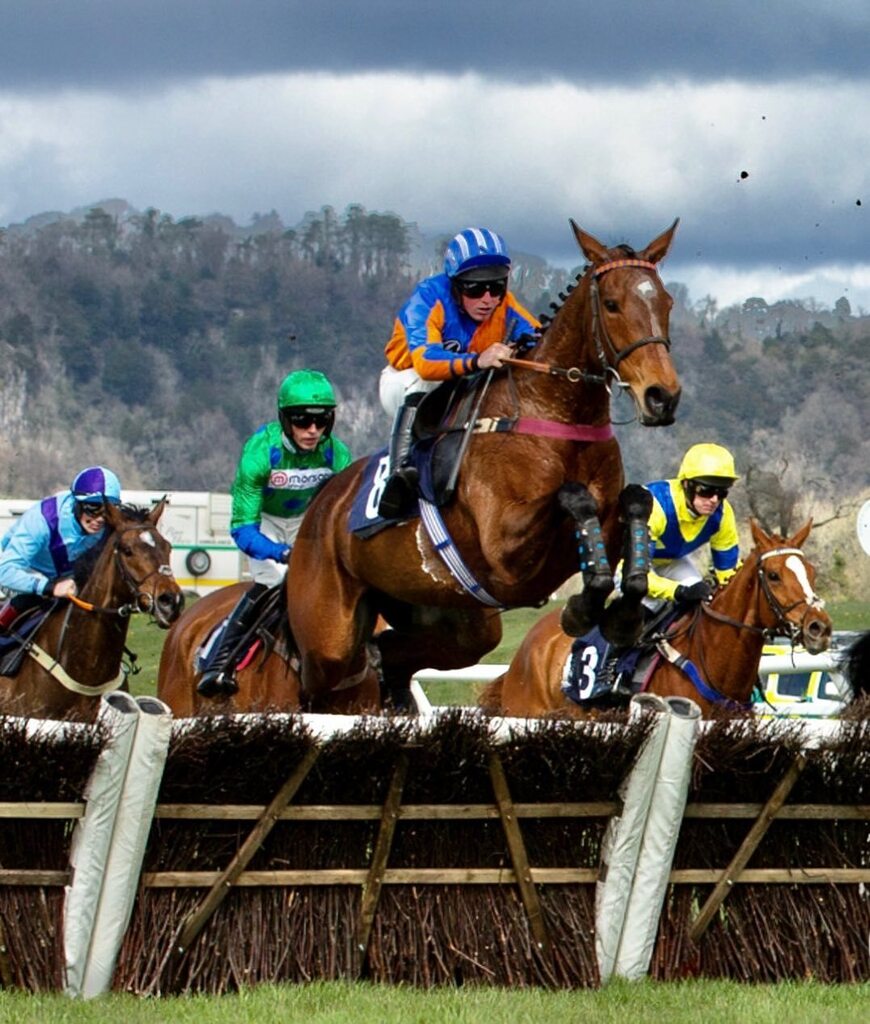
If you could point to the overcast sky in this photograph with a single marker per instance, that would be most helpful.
(748, 120)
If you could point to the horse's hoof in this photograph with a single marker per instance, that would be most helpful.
(400, 701)
(576, 500)
(635, 502)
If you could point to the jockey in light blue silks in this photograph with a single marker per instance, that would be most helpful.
(39, 550)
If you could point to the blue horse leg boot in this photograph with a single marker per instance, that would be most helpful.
(635, 505)
(400, 490)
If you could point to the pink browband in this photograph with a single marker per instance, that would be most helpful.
(616, 264)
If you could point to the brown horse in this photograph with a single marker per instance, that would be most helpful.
(541, 461)
(269, 681)
(771, 593)
(76, 653)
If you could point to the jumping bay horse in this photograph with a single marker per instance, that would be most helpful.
(76, 654)
(541, 462)
(268, 681)
(772, 593)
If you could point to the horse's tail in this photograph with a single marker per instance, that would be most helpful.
(857, 665)
(491, 697)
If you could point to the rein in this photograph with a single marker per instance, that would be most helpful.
(607, 353)
(143, 603)
(792, 630)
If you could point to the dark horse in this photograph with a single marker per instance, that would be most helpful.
(521, 494)
(772, 593)
(75, 655)
(857, 669)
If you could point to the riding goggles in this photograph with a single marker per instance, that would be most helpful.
(477, 289)
(708, 491)
(92, 509)
(304, 420)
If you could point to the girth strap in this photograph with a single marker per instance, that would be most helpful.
(450, 556)
(56, 671)
(690, 670)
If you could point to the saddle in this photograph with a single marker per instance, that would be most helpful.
(442, 429)
(269, 632)
(597, 674)
(13, 638)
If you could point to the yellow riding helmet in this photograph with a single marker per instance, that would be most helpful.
(708, 463)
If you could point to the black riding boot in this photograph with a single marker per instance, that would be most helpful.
(219, 674)
(400, 490)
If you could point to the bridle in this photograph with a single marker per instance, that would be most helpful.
(782, 625)
(143, 600)
(609, 357)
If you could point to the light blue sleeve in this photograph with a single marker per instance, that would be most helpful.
(25, 562)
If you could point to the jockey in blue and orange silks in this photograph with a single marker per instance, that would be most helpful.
(688, 513)
(454, 323)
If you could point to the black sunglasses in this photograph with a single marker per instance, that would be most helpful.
(304, 420)
(477, 289)
(708, 491)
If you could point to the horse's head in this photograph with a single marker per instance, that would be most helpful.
(786, 578)
(141, 554)
(630, 310)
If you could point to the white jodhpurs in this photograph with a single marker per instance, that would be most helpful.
(282, 531)
(395, 386)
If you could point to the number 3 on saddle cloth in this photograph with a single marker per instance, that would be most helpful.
(598, 675)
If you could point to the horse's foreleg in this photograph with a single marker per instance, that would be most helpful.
(433, 638)
(623, 618)
(584, 610)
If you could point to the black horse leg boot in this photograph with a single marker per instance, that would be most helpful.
(219, 675)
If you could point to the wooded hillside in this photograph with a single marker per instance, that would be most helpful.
(157, 345)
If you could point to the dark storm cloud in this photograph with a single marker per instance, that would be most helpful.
(100, 43)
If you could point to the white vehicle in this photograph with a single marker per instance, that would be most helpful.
(197, 525)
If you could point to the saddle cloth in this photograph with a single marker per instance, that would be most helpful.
(596, 674)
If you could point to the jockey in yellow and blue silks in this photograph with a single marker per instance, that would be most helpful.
(688, 513)
(454, 323)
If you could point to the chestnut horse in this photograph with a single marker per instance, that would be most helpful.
(772, 593)
(268, 682)
(522, 492)
(76, 654)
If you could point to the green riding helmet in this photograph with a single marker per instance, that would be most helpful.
(306, 392)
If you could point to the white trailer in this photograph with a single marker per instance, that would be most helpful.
(196, 523)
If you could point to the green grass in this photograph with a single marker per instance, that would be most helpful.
(147, 641)
(709, 1002)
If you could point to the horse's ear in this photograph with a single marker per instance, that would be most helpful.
(658, 247)
(798, 540)
(156, 512)
(758, 534)
(113, 515)
(591, 248)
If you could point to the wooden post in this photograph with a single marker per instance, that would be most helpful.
(197, 919)
(519, 856)
(5, 965)
(747, 848)
(375, 878)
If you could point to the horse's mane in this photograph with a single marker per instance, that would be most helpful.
(547, 318)
(84, 565)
